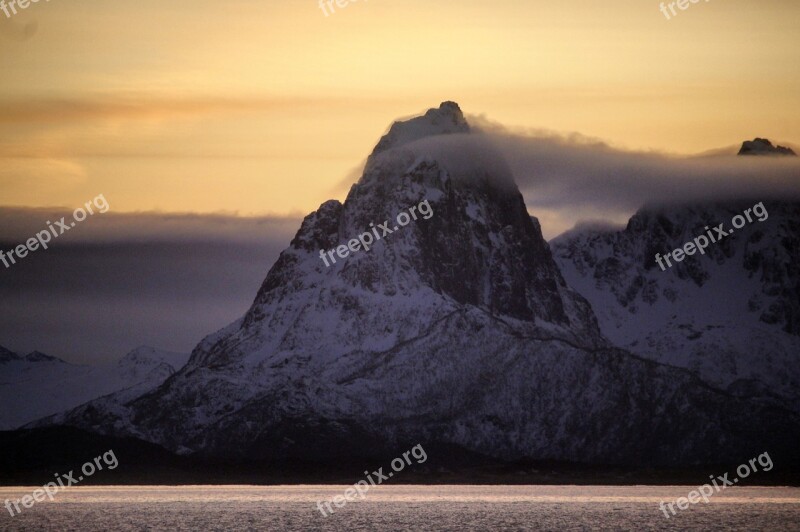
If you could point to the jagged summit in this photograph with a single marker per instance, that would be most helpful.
(439, 139)
(447, 119)
(759, 146)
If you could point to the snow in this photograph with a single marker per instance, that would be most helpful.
(39, 386)
(708, 328)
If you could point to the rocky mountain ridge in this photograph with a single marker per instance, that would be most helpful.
(759, 146)
(730, 315)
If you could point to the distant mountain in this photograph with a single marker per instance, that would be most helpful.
(40, 385)
(731, 315)
(458, 329)
(7, 356)
(38, 356)
(764, 147)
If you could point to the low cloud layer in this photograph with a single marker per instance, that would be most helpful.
(117, 281)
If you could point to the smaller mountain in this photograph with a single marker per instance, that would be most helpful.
(40, 385)
(145, 360)
(760, 146)
(7, 356)
(38, 356)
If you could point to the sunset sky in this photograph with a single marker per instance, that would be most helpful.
(257, 107)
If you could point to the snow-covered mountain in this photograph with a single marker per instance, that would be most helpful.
(732, 315)
(39, 385)
(458, 329)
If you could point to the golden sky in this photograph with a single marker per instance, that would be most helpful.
(264, 106)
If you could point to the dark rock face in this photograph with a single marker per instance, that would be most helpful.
(458, 328)
(461, 257)
(764, 147)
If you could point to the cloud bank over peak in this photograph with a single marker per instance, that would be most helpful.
(569, 178)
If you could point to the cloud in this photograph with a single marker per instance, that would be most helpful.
(117, 281)
(18, 32)
(143, 106)
(31, 177)
(119, 228)
(566, 179)
(342, 187)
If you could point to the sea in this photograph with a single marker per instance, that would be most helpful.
(401, 508)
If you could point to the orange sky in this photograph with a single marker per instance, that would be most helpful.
(263, 107)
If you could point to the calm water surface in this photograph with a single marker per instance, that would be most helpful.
(396, 507)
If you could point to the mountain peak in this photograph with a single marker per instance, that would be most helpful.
(143, 352)
(759, 146)
(446, 119)
(145, 355)
(479, 251)
(6, 355)
(38, 356)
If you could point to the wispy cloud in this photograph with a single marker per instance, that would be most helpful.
(569, 178)
(133, 106)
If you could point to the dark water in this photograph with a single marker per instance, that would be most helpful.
(393, 507)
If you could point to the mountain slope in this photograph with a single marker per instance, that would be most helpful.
(730, 315)
(40, 385)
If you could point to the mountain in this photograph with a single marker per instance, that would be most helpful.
(456, 329)
(38, 356)
(7, 356)
(40, 385)
(447, 119)
(730, 315)
(764, 147)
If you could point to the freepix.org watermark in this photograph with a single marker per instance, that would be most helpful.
(361, 487)
(683, 5)
(57, 229)
(325, 5)
(706, 490)
(701, 242)
(64, 481)
(366, 240)
(14, 4)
